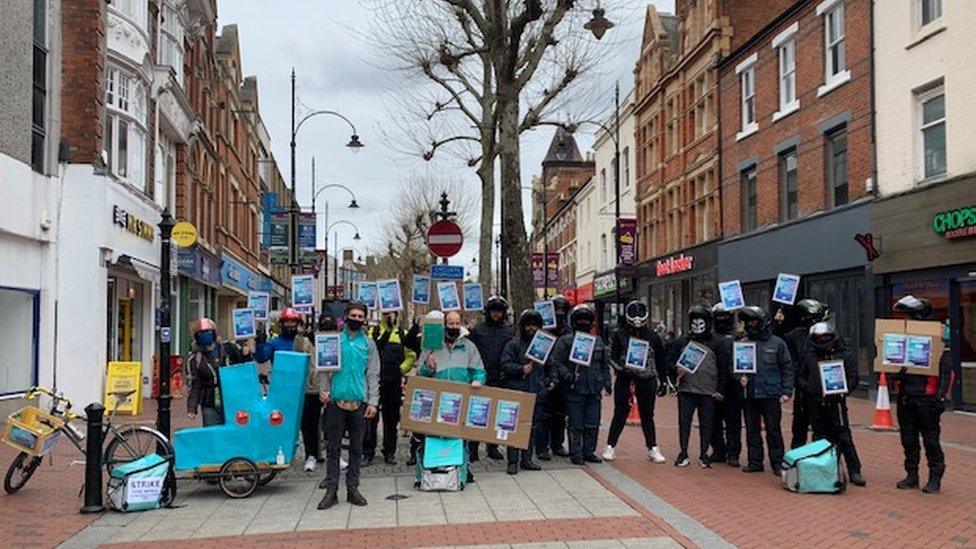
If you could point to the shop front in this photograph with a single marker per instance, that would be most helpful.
(604, 295)
(237, 280)
(825, 250)
(676, 282)
(199, 282)
(928, 249)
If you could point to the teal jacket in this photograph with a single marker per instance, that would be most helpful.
(460, 362)
(359, 378)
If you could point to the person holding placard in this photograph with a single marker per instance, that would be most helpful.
(551, 441)
(642, 379)
(921, 403)
(490, 337)
(395, 359)
(765, 391)
(727, 424)
(809, 312)
(700, 363)
(350, 396)
(580, 359)
(826, 394)
(525, 371)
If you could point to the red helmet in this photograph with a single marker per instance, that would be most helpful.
(289, 314)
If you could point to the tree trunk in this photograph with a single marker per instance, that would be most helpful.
(486, 172)
(516, 242)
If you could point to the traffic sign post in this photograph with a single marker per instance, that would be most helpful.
(447, 272)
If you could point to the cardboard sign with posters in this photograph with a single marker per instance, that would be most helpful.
(913, 345)
(467, 412)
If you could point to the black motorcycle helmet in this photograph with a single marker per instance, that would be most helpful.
(636, 314)
(723, 320)
(495, 303)
(561, 305)
(582, 318)
(529, 317)
(699, 322)
(916, 308)
(755, 320)
(823, 336)
(810, 312)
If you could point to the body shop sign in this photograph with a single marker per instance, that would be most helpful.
(958, 223)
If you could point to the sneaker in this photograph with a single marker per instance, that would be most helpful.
(682, 461)
(311, 464)
(343, 464)
(705, 463)
(655, 455)
(609, 454)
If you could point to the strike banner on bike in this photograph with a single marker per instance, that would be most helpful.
(123, 376)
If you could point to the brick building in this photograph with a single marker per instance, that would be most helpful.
(677, 160)
(797, 166)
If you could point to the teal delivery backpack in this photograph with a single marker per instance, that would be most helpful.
(146, 483)
(814, 469)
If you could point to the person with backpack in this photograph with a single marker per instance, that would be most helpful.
(490, 337)
(809, 312)
(202, 366)
(765, 391)
(644, 382)
(395, 360)
(828, 413)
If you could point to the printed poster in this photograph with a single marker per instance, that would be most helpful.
(548, 312)
(367, 294)
(637, 352)
(328, 352)
(449, 411)
(143, 490)
(303, 293)
(582, 350)
(473, 297)
(259, 302)
(244, 324)
(895, 349)
(540, 347)
(786, 287)
(731, 293)
(506, 420)
(918, 351)
(422, 405)
(389, 292)
(833, 379)
(692, 357)
(447, 292)
(479, 409)
(744, 357)
(421, 289)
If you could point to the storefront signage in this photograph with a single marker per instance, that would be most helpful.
(604, 284)
(958, 223)
(133, 224)
(238, 276)
(279, 237)
(628, 241)
(184, 234)
(123, 376)
(676, 264)
(584, 293)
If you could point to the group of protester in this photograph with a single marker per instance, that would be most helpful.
(349, 403)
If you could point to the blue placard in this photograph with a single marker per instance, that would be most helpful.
(447, 272)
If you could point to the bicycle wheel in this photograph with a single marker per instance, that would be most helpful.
(239, 477)
(134, 442)
(268, 477)
(20, 471)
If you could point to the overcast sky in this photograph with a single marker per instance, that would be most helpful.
(337, 70)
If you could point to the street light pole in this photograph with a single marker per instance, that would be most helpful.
(165, 330)
(616, 194)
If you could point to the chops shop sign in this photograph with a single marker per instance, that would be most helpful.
(958, 223)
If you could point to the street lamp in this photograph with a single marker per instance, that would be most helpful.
(353, 205)
(598, 25)
(335, 279)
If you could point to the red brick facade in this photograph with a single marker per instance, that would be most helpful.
(82, 79)
(805, 130)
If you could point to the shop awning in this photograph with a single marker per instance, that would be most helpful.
(143, 269)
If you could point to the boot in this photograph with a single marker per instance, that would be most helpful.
(512, 468)
(909, 482)
(529, 465)
(545, 455)
(330, 499)
(589, 446)
(857, 479)
(354, 497)
(934, 484)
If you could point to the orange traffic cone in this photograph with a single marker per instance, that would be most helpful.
(882, 411)
(634, 417)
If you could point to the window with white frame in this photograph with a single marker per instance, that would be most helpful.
(932, 132)
(834, 47)
(165, 170)
(603, 252)
(124, 139)
(136, 10)
(748, 84)
(787, 75)
(928, 11)
(171, 42)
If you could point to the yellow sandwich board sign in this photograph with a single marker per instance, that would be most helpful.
(124, 376)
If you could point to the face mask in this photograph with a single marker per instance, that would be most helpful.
(206, 338)
(698, 326)
(583, 326)
(289, 331)
(328, 325)
(354, 325)
(529, 332)
(452, 333)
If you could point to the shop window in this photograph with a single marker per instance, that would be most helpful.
(932, 132)
(836, 156)
(750, 199)
(967, 341)
(19, 322)
(789, 208)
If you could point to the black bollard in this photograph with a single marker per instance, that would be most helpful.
(93, 460)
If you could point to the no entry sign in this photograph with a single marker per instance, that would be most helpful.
(444, 238)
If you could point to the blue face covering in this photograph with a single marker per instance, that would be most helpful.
(206, 338)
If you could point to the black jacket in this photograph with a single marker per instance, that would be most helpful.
(774, 375)
(513, 376)
(490, 338)
(797, 341)
(808, 375)
(586, 380)
(618, 349)
(204, 378)
(916, 385)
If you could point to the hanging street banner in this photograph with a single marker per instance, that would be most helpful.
(279, 238)
(627, 235)
(537, 271)
(553, 269)
(306, 238)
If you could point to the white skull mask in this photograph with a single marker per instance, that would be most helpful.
(698, 325)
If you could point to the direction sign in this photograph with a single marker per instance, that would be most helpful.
(444, 238)
(447, 272)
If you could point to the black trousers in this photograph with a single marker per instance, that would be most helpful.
(645, 389)
(584, 423)
(391, 399)
(758, 411)
(312, 426)
(801, 419)
(727, 426)
(554, 433)
(688, 403)
(921, 416)
(515, 455)
(337, 423)
(830, 422)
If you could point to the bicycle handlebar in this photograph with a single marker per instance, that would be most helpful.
(56, 395)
